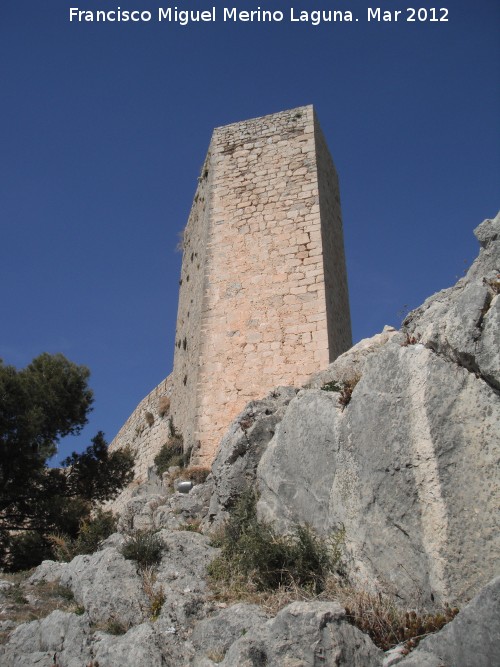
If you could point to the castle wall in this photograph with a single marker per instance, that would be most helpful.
(147, 429)
(267, 229)
(192, 290)
(332, 238)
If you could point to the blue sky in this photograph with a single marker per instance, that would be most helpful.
(104, 128)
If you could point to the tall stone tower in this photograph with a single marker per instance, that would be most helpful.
(263, 298)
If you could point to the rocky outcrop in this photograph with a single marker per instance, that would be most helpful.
(407, 463)
(472, 638)
(306, 634)
(462, 322)
(409, 468)
(235, 464)
(104, 584)
(398, 441)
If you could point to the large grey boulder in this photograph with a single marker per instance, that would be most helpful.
(104, 583)
(235, 464)
(60, 638)
(472, 638)
(184, 508)
(305, 634)
(409, 468)
(462, 322)
(212, 637)
(141, 645)
(351, 364)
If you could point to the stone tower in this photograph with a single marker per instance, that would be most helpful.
(263, 297)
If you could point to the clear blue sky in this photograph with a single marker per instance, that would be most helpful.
(104, 128)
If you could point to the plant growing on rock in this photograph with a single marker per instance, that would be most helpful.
(254, 555)
(93, 530)
(172, 453)
(145, 547)
(344, 388)
(384, 621)
(155, 594)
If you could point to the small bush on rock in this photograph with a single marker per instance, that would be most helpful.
(254, 554)
(386, 622)
(171, 454)
(344, 388)
(26, 550)
(115, 627)
(92, 532)
(145, 547)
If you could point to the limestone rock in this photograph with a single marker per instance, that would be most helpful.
(461, 322)
(410, 468)
(303, 634)
(181, 575)
(240, 450)
(351, 364)
(60, 638)
(139, 646)
(104, 583)
(213, 636)
(184, 508)
(472, 638)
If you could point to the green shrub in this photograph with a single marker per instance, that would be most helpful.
(171, 454)
(26, 550)
(332, 386)
(145, 547)
(91, 533)
(254, 553)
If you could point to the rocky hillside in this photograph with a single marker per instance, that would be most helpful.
(395, 446)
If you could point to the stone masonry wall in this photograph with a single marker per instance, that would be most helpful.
(267, 303)
(147, 429)
(190, 310)
(332, 236)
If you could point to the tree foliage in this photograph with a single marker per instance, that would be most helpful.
(39, 405)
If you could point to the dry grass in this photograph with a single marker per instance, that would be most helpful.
(23, 602)
(163, 405)
(192, 525)
(378, 615)
(384, 620)
(155, 594)
(344, 388)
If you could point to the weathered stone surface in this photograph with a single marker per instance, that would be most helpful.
(461, 322)
(184, 508)
(472, 638)
(146, 430)
(138, 503)
(351, 364)
(275, 308)
(104, 583)
(303, 634)
(182, 575)
(410, 468)
(213, 636)
(235, 464)
(60, 638)
(140, 646)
